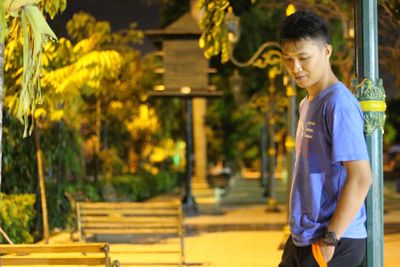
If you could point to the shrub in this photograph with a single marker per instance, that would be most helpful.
(142, 185)
(16, 214)
(166, 181)
(58, 205)
(85, 191)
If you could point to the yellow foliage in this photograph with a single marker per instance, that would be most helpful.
(11, 50)
(152, 169)
(89, 70)
(11, 101)
(57, 115)
(146, 151)
(146, 120)
(54, 6)
(116, 105)
(89, 146)
(86, 45)
(158, 155)
(165, 150)
(84, 26)
(39, 112)
(214, 38)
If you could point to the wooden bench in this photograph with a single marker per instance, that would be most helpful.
(60, 254)
(140, 219)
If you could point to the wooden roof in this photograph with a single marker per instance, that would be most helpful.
(185, 25)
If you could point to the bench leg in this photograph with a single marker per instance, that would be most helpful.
(115, 263)
(182, 262)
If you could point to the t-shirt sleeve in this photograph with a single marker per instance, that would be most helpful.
(348, 142)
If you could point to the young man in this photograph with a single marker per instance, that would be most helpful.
(332, 174)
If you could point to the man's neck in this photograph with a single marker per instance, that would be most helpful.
(324, 83)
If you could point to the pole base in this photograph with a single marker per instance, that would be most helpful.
(272, 205)
(189, 206)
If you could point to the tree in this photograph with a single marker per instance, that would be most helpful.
(96, 76)
(239, 123)
(263, 14)
(389, 53)
(30, 17)
(110, 101)
(392, 7)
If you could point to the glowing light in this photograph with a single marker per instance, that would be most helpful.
(291, 9)
(186, 90)
(160, 87)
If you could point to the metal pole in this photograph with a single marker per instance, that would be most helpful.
(290, 152)
(264, 160)
(272, 203)
(371, 95)
(290, 139)
(272, 159)
(189, 203)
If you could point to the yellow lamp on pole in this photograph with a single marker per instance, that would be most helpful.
(290, 9)
(232, 23)
(268, 55)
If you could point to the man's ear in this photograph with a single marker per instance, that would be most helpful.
(328, 50)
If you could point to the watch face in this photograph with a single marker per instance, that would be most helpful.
(329, 238)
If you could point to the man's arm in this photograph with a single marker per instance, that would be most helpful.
(354, 192)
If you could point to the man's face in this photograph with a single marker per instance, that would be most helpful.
(307, 61)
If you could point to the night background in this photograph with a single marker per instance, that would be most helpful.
(116, 121)
(120, 13)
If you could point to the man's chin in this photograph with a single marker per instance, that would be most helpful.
(301, 84)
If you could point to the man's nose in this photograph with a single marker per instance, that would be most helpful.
(297, 66)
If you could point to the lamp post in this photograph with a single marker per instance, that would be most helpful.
(235, 83)
(185, 74)
(269, 56)
(189, 203)
(289, 146)
(371, 94)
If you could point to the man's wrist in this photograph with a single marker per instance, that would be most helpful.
(329, 238)
(332, 227)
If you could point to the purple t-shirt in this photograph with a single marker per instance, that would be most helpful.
(330, 131)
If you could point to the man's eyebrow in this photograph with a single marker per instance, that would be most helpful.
(298, 54)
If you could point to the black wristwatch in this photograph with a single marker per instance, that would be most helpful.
(330, 239)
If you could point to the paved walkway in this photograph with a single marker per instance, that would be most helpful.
(238, 232)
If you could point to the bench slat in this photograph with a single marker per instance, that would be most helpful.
(114, 224)
(24, 248)
(55, 261)
(135, 205)
(131, 219)
(129, 212)
(154, 219)
(129, 231)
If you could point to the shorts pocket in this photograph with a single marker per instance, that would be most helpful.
(316, 251)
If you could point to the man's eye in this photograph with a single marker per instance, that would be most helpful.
(303, 58)
(287, 59)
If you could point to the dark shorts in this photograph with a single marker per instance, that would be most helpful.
(348, 253)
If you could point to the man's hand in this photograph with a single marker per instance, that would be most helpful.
(326, 251)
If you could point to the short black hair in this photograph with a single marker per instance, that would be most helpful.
(304, 25)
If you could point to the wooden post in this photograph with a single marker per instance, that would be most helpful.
(42, 186)
(1, 104)
(200, 140)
